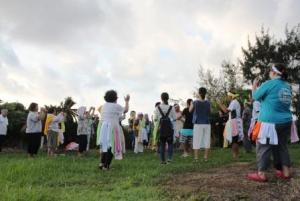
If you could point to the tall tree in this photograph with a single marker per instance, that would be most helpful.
(257, 57)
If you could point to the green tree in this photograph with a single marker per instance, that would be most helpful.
(266, 50)
(17, 115)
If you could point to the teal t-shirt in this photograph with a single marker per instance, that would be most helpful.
(276, 97)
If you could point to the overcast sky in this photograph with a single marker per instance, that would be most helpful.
(53, 49)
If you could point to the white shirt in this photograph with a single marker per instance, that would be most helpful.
(165, 108)
(235, 105)
(3, 125)
(112, 112)
(53, 126)
(255, 110)
(33, 124)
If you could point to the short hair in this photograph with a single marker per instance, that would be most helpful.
(189, 101)
(51, 110)
(202, 92)
(111, 96)
(165, 97)
(32, 107)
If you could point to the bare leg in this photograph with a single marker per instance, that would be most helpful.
(196, 154)
(206, 154)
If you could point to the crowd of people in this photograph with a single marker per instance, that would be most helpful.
(264, 121)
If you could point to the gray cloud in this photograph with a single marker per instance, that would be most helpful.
(82, 48)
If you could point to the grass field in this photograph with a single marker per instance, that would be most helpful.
(69, 178)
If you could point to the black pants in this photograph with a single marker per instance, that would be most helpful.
(280, 152)
(2, 139)
(82, 143)
(163, 140)
(106, 158)
(34, 143)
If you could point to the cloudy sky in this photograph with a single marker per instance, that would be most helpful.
(53, 49)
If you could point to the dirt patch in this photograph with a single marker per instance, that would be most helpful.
(229, 184)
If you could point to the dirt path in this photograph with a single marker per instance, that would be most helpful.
(229, 184)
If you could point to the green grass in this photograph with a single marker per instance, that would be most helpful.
(69, 178)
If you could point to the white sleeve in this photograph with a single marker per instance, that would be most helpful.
(156, 114)
(173, 114)
(231, 106)
(34, 117)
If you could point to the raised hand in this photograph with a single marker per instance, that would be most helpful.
(127, 98)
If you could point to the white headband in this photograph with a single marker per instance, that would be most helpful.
(276, 70)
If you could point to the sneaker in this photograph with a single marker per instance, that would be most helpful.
(169, 161)
(256, 177)
(185, 155)
(163, 162)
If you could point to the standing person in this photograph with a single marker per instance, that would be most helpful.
(202, 127)
(139, 126)
(186, 134)
(275, 117)
(221, 121)
(246, 116)
(165, 115)
(111, 133)
(148, 129)
(91, 128)
(34, 129)
(52, 129)
(236, 123)
(131, 120)
(178, 123)
(255, 114)
(155, 132)
(83, 128)
(3, 126)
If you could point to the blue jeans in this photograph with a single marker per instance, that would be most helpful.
(163, 141)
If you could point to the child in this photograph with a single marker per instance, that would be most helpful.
(139, 129)
(52, 129)
(3, 126)
(111, 133)
(34, 128)
(202, 127)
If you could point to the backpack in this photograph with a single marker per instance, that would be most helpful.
(165, 124)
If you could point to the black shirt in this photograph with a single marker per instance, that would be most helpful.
(188, 123)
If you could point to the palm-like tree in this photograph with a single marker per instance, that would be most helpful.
(66, 106)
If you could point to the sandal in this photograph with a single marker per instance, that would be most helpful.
(256, 177)
(279, 174)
